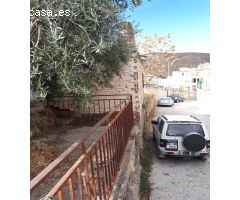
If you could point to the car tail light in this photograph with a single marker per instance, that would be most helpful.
(208, 144)
(162, 143)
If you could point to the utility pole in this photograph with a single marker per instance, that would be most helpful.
(168, 78)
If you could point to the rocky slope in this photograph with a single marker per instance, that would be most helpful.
(188, 59)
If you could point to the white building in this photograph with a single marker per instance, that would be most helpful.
(184, 79)
(203, 87)
(190, 78)
(162, 82)
(203, 76)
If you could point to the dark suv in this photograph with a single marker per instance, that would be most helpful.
(177, 98)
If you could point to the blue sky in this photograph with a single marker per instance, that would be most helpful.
(187, 21)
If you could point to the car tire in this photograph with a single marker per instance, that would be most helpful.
(154, 138)
(159, 155)
(194, 141)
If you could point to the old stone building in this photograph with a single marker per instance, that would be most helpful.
(130, 80)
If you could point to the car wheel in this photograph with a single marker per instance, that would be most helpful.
(159, 155)
(154, 138)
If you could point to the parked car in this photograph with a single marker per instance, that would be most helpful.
(165, 101)
(177, 98)
(180, 135)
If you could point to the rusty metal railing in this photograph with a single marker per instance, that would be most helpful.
(68, 108)
(95, 169)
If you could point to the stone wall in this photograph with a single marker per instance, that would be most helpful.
(127, 183)
(149, 104)
(130, 80)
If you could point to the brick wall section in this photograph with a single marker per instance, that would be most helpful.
(129, 82)
(131, 79)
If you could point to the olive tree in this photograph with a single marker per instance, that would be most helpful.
(76, 52)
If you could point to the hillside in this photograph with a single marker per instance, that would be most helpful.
(187, 60)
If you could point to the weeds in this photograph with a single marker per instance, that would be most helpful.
(146, 157)
(146, 163)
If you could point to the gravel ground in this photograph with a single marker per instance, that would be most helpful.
(181, 178)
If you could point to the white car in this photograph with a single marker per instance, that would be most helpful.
(165, 101)
(180, 135)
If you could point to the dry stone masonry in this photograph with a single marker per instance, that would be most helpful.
(130, 80)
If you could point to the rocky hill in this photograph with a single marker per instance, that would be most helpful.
(187, 60)
(190, 60)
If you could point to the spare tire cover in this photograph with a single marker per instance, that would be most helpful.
(194, 141)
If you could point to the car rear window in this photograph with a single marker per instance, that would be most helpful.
(165, 98)
(182, 129)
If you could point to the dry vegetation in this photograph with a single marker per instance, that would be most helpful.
(42, 154)
(146, 155)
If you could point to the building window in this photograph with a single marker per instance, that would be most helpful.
(200, 84)
(136, 87)
(135, 75)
